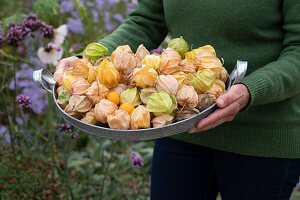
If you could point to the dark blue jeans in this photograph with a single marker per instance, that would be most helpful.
(185, 171)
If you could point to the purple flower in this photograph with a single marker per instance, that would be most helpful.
(75, 25)
(132, 155)
(32, 23)
(1, 36)
(67, 6)
(95, 15)
(24, 101)
(136, 161)
(66, 127)
(48, 31)
(73, 135)
(118, 17)
(15, 34)
(159, 50)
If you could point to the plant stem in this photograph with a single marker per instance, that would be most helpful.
(103, 180)
(18, 59)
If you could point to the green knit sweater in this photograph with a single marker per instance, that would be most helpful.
(265, 33)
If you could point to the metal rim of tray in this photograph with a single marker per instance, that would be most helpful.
(140, 134)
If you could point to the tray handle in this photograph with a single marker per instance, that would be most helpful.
(43, 75)
(238, 72)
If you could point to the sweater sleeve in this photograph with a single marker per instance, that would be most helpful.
(280, 79)
(144, 25)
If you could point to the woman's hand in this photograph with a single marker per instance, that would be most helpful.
(62, 65)
(229, 105)
(66, 63)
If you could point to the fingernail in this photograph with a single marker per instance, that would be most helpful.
(221, 102)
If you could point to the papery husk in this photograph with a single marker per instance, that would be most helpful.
(153, 61)
(180, 45)
(216, 90)
(145, 77)
(103, 109)
(96, 92)
(132, 96)
(167, 83)
(80, 86)
(125, 48)
(141, 52)
(204, 102)
(209, 62)
(63, 96)
(188, 66)
(186, 113)
(192, 54)
(170, 60)
(138, 62)
(146, 93)
(92, 73)
(140, 118)
(202, 80)
(58, 76)
(205, 53)
(79, 103)
(108, 75)
(119, 120)
(68, 79)
(187, 97)
(81, 68)
(162, 120)
(94, 51)
(222, 75)
(120, 88)
(180, 77)
(69, 110)
(162, 103)
(90, 118)
(125, 63)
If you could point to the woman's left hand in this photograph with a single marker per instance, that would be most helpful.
(229, 105)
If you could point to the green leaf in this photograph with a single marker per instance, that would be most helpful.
(46, 9)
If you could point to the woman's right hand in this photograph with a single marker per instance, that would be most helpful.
(62, 65)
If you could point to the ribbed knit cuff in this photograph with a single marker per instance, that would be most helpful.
(257, 87)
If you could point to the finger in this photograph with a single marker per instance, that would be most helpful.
(232, 109)
(217, 123)
(233, 94)
(66, 63)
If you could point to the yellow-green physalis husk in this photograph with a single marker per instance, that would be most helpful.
(132, 96)
(94, 51)
(202, 80)
(179, 45)
(162, 103)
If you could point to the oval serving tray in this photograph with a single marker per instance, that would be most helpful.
(140, 134)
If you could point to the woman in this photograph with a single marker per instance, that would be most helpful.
(250, 147)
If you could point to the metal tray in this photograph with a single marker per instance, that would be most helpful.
(141, 134)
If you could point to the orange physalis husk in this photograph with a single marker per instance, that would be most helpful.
(192, 54)
(146, 93)
(167, 83)
(180, 77)
(145, 77)
(58, 76)
(222, 75)
(80, 86)
(209, 62)
(125, 48)
(120, 119)
(89, 117)
(216, 90)
(188, 66)
(120, 88)
(81, 68)
(80, 104)
(170, 61)
(141, 52)
(125, 64)
(162, 120)
(103, 109)
(97, 92)
(204, 101)
(140, 118)
(184, 113)
(187, 97)
(107, 74)
(68, 79)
